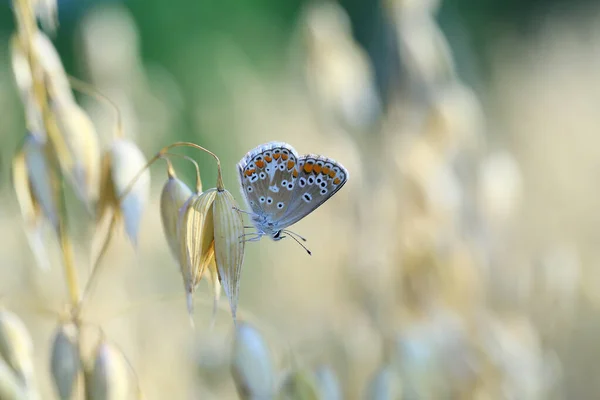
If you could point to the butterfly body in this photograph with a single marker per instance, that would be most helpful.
(281, 187)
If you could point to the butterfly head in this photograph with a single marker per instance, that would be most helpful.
(266, 227)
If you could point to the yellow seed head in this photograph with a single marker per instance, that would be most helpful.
(108, 377)
(213, 275)
(251, 364)
(229, 245)
(31, 210)
(172, 198)
(65, 363)
(44, 182)
(196, 239)
(120, 164)
(79, 133)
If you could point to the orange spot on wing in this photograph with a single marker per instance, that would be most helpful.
(326, 170)
(317, 169)
(332, 174)
(276, 156)
(295, 173)
(268, 159)
(290, 164)
(308, 168)
(284, 157)
(249, 172)
(260, 163)
(336, 181)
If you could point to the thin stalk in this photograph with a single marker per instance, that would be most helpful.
(171, 171)
(96, 267)
(91, 91)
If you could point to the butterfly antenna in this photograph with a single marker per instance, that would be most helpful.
(244, 212)
(303, 246)
(295, 234)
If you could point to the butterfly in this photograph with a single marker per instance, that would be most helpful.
(281, 187)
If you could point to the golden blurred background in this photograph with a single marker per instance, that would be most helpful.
(459, 261)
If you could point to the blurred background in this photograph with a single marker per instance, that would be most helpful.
(460, 260)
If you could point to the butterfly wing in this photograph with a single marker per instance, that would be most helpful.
(267, 174)
(319, 178)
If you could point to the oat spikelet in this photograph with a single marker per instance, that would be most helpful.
(174, 195)
(79, 133)
(44, 182)
(251, 364)
(108, 377)
(196, 240)
(31, 210)
(120, 165)
(65, 363)
(229, 246)
(16, 350)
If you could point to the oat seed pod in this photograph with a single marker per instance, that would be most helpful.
(44, 182)
(213, 275)
(229, 245)
(173, 196)
(196, 240)
(10, 386)
(24, 81)
(121, 163)
(31, 210)
(65, 363)
(55, 75)
(47, 13)
(16, 350)
(79, 133)
(251, 364)
(108, 378)
(299, 385)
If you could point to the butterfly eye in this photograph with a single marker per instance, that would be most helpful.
(302, 182)
(280, 205)
(319, 180)
(281, 167)
(262, 175)
(307, 197)
(323, 184)
(262, 199)
(311, 180)
(286, 152)
(250, 189)
(253, 178)
(290, 186)
(323, 191)
(276, 151)
(269, 200)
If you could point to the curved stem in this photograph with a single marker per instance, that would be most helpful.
(220, 185)
(96, 267)
(190, 159)
(165, 150)
(91, 91)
